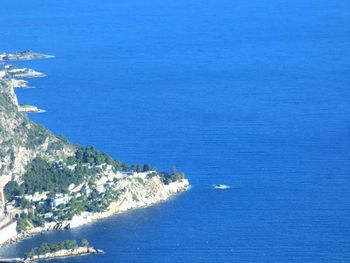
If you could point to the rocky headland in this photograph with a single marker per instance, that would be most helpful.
(47, 183)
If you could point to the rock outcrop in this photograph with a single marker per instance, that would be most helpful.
(80, 251)
(23, 55)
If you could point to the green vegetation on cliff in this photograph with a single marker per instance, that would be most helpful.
(174, 176)
(42, 176)
(89, 155)
(13, 189)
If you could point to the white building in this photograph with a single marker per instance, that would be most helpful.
(100, 189)
(48, 215)
(59, 200)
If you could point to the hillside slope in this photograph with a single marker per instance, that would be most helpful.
(22, 140)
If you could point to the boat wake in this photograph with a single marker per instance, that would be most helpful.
(222, 186)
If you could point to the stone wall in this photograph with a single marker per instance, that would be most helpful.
(8, 232)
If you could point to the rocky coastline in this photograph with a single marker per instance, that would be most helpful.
(106, 186)
(162, 194)
(80, 251)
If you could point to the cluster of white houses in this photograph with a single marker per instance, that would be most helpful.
(9, 212)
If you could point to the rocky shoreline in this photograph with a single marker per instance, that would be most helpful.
(80, 251)
(165, 192)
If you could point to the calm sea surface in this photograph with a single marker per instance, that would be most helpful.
(250, 93)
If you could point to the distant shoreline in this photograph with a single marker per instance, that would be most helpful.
(23, 55)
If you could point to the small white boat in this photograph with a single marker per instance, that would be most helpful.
(221, 186)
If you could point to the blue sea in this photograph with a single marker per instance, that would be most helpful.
(250, 93)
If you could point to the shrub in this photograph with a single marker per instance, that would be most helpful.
(12, 190)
